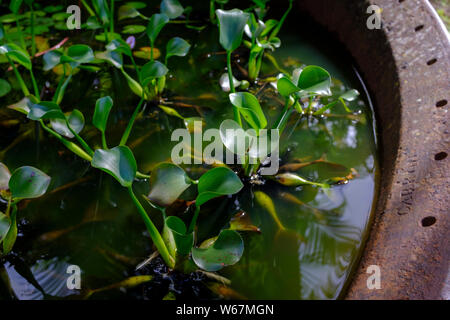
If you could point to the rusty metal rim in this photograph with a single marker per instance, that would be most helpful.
(406, 65)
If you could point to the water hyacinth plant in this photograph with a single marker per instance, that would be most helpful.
(144, 57)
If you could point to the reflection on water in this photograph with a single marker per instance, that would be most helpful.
(91, 222)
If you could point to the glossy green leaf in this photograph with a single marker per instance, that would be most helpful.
(217, 182)
(24, 105)
(171, 8)
(4, 176)
(119, 162)
(133, 29)
(113, 57)
(102, 10)
(350, 95)
(17, 54)
(226, 250)
(250, 109)
(45, 110)
(286, 87)
(28, 182)
(76, 122)
(167, 182)
(231, 25)
(155, 24)
(119, 45)
(78, 54)
(152, 70)
(177, 47)
(316, 80)
(52, 59)
(5, 87)
(101, 113)
(235, 138)
(175, 237)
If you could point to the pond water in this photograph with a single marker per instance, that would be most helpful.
(88, 220)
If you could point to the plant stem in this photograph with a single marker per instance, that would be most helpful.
(19, 78)
(69, 145)
(88, 8)
(126, 134)
(111, 17)
(281, 121)
(136, 67)
(104, 144)
(79, 139)
(154, 233)
(58, 88)
(35, 86)
(237, 116)
(194, 219)
(280, 24)
(151, 52)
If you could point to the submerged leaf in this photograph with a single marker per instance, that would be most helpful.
(52, 59)
(28, 182)
(167, 182)
(225, 251)
(217, 182)
(119, 162)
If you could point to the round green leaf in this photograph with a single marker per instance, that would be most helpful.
(5, 175)
(119, 162)
(5, 87)
(177, 47)
(225, 251)
(167, 182)
(152, 70)
(350, 95)
(235, 138)
(28, 182)
(113, 57)
(175, 237)
(285, 87)
(250, 109)
(78, 54)
(171, 8)
(155, 24)
(314, 79)
(76, 122)
(133, 29)
(101, 113)
(217, 182)
(231, 25)
(119, 45)
(45, 110)
(52, 59)
(17, 54)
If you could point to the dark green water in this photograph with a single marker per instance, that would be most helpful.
(93, 223)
